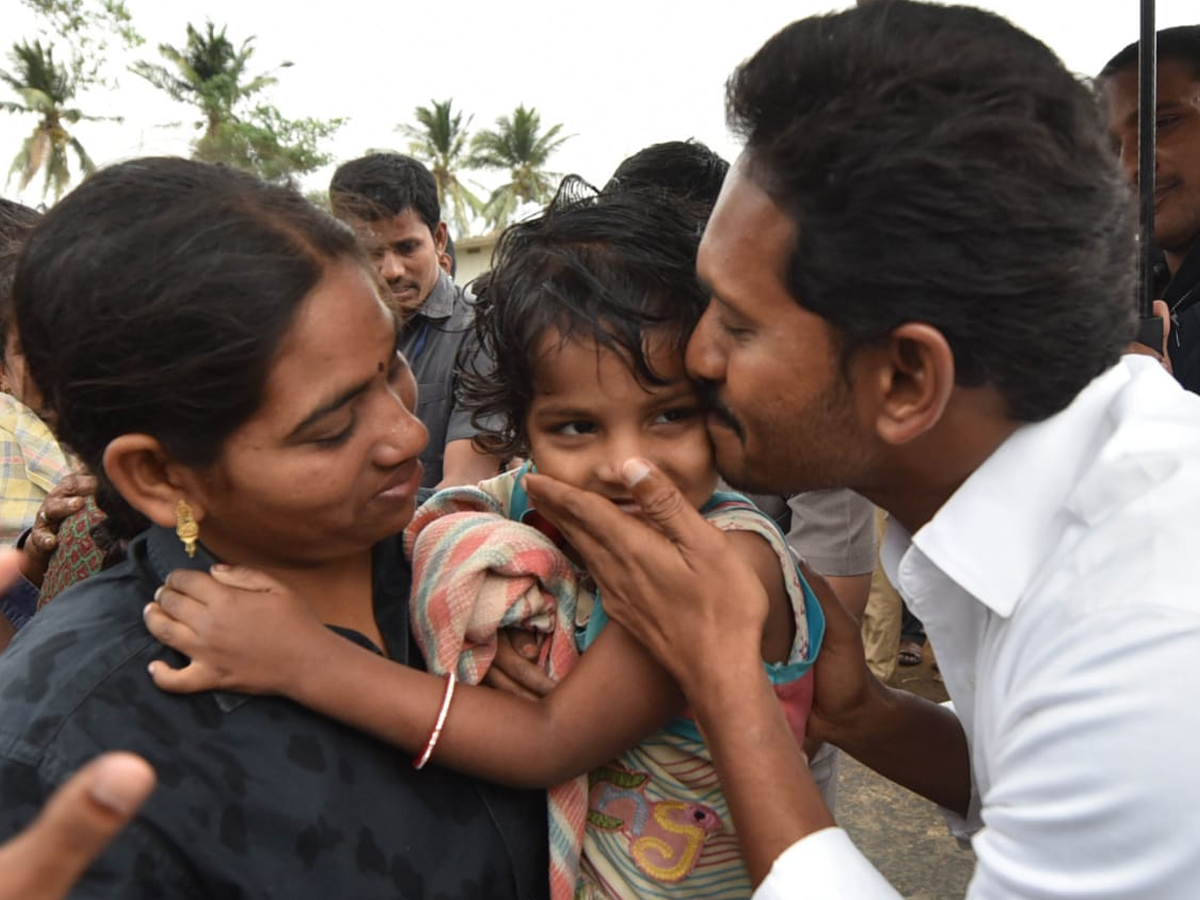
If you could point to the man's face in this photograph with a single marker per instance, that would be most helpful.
(405, 253)
(784, 414)
(1177, 154)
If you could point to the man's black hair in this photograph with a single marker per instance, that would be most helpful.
(942, 166)
(1180, 43)
(382, 185)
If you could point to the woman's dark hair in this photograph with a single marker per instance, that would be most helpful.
(942, 166)
(605, 268)
(689, 170)
(383, 185)
(153, 299)
(15, 221)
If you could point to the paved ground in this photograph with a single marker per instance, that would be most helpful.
(901, 833)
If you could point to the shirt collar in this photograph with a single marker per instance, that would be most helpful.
(165, 553)
(391, 578)
(440, 302)
(993, 534)
(1181, 291)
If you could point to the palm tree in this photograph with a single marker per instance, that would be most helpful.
(45, 87)
(208, 73)
(518, 145)
(441, 140)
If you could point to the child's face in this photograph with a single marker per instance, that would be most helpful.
(590, 414)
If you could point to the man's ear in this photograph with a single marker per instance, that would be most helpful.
(149, 479)
(914, 379)
(440, 235)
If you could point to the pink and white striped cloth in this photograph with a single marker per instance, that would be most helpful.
(475, 571)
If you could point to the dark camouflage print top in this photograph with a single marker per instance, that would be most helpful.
(257, 797)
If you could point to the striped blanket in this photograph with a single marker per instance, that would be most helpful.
(475, 572)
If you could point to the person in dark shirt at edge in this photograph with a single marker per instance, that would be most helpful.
(1177, 176)
(240, 396)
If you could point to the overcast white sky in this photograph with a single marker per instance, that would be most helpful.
(619, 74)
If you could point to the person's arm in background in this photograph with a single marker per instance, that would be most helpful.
(18, 599)
(833, 531)
(465, 464)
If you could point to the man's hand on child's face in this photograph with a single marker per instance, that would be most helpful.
(242, 630)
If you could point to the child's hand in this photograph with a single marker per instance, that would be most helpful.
(243, 631)
(515, 668)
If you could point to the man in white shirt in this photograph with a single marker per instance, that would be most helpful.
(921, 270)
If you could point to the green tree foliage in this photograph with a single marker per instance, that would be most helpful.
(517, 144)
(45, 87)
(440, 141)
(85, 27)
(266, 143)
(210, 73)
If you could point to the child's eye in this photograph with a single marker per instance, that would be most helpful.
(573, 429)
(679, 414)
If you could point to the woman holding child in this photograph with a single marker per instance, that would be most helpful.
(217, 349)
(232, 373)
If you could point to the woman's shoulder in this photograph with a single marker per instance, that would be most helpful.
(91, 637)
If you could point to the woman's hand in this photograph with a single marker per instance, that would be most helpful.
(243, 630)
(65, 500)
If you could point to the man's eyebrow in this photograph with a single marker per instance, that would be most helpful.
(326, 408)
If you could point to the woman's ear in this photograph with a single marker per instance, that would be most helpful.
(149, 479)
(915, 380)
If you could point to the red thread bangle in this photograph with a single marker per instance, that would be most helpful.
(419, 762)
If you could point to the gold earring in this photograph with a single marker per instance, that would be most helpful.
(186, 527)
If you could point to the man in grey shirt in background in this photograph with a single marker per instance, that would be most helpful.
(391, 201)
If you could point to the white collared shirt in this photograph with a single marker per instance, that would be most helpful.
(1058, 586)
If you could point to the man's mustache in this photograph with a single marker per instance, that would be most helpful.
(711, 400)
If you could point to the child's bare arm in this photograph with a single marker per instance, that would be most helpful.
(779, 631)
(266, 640)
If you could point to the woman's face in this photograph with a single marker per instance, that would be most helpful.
(328, 465)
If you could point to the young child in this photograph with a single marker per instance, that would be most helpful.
(587, 313)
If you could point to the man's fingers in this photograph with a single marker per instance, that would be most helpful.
(1163, 311)
(77, 823)
(55, 509)
(593, 525)
(587, 521)
(839, 623)
(665, 507)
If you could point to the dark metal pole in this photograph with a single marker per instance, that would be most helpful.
(1150, 327)
(1147, 116)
